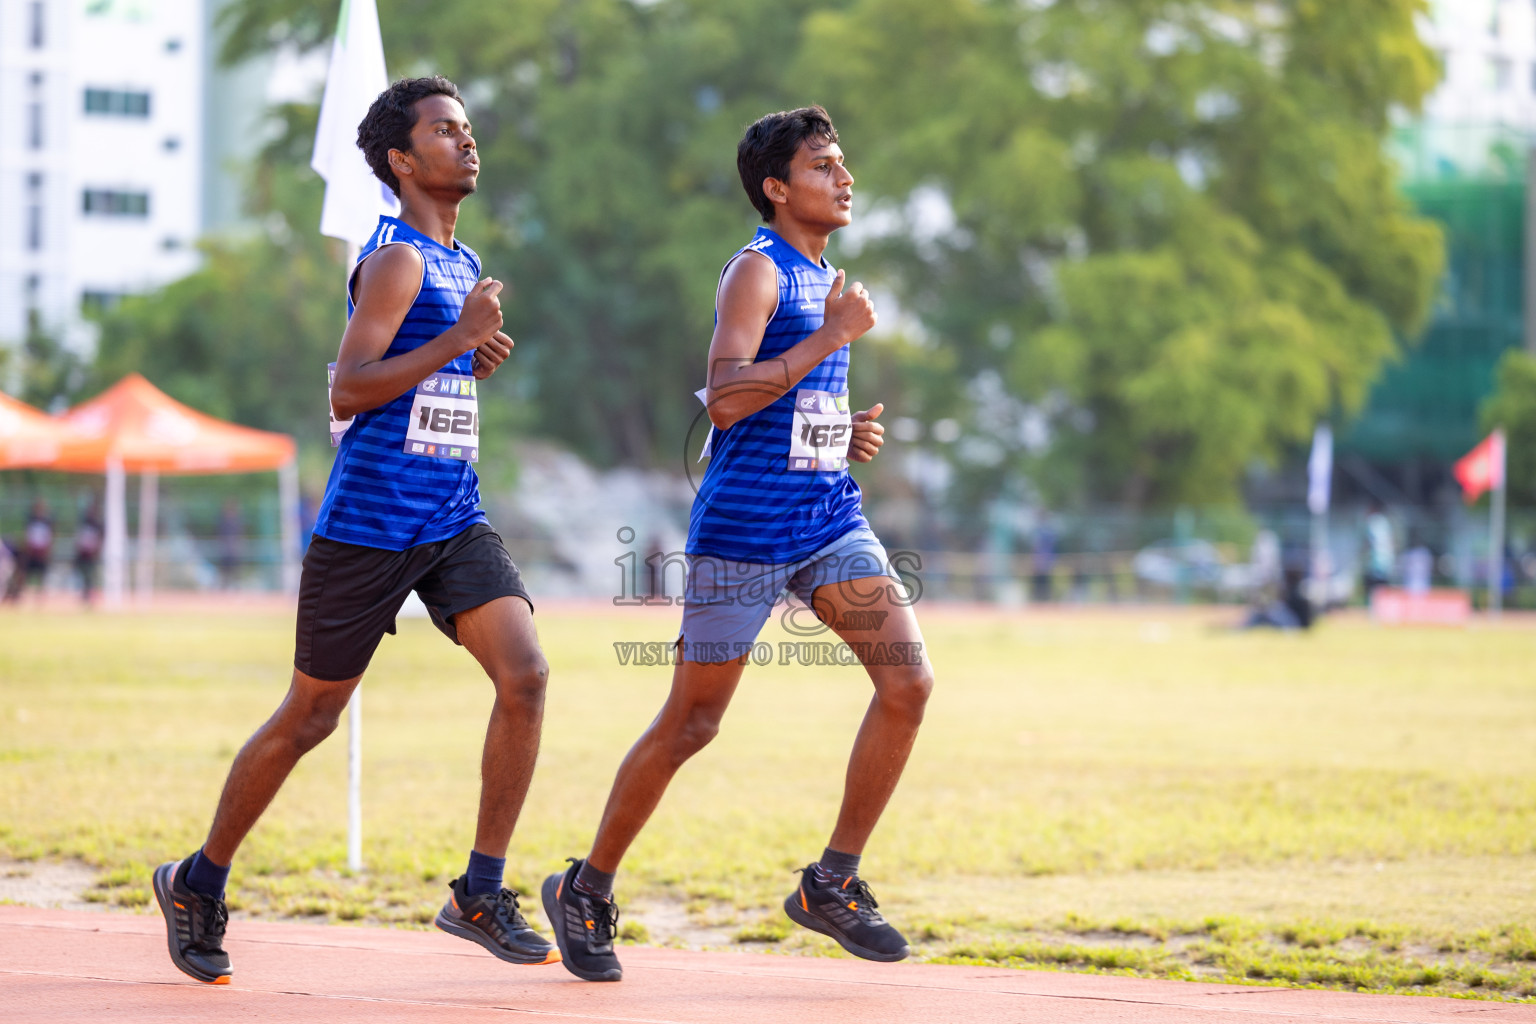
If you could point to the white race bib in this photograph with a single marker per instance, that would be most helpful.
(445, 419)
(338, 427)
(819, 432)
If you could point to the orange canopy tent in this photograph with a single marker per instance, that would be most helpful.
(147, 431)
(134, 427)
(29, 438)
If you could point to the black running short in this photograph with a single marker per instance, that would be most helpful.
(349, 595)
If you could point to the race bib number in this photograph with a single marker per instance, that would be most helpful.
(445, 419)
(820, 432)
(338, 427)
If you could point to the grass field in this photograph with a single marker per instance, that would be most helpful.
(1127, 790)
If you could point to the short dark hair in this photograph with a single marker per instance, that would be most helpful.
(769, 146)
(390, 119)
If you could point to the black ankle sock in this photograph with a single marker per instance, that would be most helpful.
(594, 882)
(206, 877)
(836, 864)
(483, 876)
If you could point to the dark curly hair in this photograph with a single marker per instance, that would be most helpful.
(389, 122)
(769, 146)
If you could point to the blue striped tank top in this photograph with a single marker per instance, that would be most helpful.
(751, 506)
(377, 495)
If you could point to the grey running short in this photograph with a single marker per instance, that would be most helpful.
(726, 602)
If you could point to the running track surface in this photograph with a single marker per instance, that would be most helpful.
(58, 965)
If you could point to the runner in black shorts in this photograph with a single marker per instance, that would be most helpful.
(401, 513)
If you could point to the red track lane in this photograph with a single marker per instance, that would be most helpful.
(58, 965)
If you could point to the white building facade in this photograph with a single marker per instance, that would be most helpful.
(101, 156)
(1482, 115)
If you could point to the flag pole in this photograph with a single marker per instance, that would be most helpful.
(354, 199)
(354, 724)
(1496, 530)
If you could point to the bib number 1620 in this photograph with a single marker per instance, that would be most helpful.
(445, 419)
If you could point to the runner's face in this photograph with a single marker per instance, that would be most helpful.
(442, 147)
(820, 189)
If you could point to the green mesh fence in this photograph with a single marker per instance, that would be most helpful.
(1426, 405)
(1470, 179)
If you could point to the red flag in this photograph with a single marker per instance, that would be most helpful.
(1482, 468)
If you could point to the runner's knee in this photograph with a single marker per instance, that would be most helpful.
(522, 684)
(906, 689)
(700, 724)
(314, 726)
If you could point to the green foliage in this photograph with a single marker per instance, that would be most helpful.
(1176, 232)
(1513, 407)
(1175, 235)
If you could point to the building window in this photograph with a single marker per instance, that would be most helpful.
(173, 46)
(39, 20)
(171, 144)
(35, 124)
(1503, 73)
(34, 228)
(109, 203)
(116, 103)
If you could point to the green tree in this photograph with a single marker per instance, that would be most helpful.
(1174, 229)
(1148, 241)
(1513, 407)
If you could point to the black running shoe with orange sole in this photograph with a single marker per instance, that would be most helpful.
(194, 925)
(845, 910)
(584, 927)
(495, 922)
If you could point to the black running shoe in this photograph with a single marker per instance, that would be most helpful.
(584, 926)
(194, 925)
(494, 921)
(846, 911)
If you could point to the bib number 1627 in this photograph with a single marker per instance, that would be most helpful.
(824, 435)
(442, 420)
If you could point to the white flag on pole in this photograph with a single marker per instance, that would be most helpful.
(354, 198)
(1320, 470)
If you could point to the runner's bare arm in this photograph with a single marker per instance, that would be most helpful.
(868, 435)
(738, 387)
(387, 284)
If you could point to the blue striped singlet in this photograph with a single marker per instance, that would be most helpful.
(750, 506)
(379, 496)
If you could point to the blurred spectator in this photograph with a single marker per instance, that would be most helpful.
(88, 540)
(1285, 605)
(1380, 551)
(1044, 552)
(37, 547)
(231, 537)
(1418, 568)
(1265, 557)
(10, 571)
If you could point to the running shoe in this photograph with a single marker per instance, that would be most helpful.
(494, 921)
(584, 927)
(845, 910)
(194, 925)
